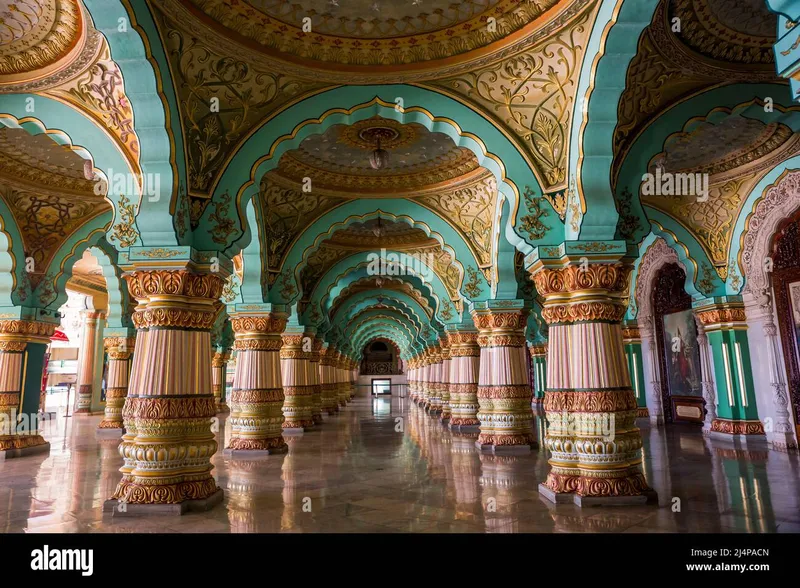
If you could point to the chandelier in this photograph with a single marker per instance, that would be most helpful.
(379, 157)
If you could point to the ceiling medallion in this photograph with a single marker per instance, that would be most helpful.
(392, 134)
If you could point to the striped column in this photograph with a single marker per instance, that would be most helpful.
(167, 415)
(411, 378)
(538, 353)
(22, 347)
(590, 406)
(724, 330)
(445, 383)
(434, 403)
(353, 372)
(314, 378)
(340, 376)
(464, 371)
(88, 356)
(257, 398)
(298, 405)
(633, 353)
(119, 351)
(422, 382)
(330, 398)
(219, 370)
(504, 391)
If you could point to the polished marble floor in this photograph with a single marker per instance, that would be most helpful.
(383, 465)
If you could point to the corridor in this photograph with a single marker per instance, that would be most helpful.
(385, 465)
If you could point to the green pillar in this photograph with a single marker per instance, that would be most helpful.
(539, 371)
(725, 325)
(633, 352)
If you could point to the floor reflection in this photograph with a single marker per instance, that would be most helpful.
(383, 465)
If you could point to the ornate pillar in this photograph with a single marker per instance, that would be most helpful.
(330, 398)
(633, 352)
(22, 347)
(168, 442)
(352, 374)
(219, 372)
(504, 390)
(538, 353)
(445, 383)
(725, 324)
(342, 392)
(411, 378)
(424, 372)
(652, 387)
(434, 403)
(464, 369)
(313, 368)
(767, 357)
(590, 406)
(119, 351)
(707, 382)
(257, 397)
(90, 345)
(298, 392)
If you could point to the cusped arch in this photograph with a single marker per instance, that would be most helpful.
(656, 256)
(435, 111)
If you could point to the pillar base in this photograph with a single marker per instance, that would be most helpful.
(739, 439)
(648, 497)
(115, 508)
(642, 413)
(465, 428)
(24, 451)
(109, 433)
(505, 449)
(782, 442)
(253, 453)
(89, 413)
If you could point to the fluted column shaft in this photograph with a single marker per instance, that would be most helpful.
(590, 405)
(434, 403)
(313, 368)
(257, 398)
(445, 383)
(168, 444)
(219, 369)
(87, 363)
(297, 389)
(539, 370)
(504, 391)
(464, 372)
(330, 396)
(342, 392)
(22, 348)
(119, 351)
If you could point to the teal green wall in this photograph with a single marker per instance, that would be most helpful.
(724, 342)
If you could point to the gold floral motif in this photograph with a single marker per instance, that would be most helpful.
(612, 277)
(737, 427)
(125, 230)
(159, 253)
(269, 323)
(716, 316)
(531, 223)
(583, 311)
(590, 401)
(222, 226)
(472, 287)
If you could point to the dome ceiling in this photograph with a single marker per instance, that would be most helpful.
(38, 36)
(338, 160)
(363, 33)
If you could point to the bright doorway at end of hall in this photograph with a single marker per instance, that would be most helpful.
(381, 386)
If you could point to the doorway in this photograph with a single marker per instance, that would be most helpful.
(381, 386)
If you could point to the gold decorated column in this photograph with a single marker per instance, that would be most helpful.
(504, 392)
(330, 397)
(342, 391)
(88, 361)
(219, 370)
(297, 390)
(595, 446)
(119, 351)
(444, 385)
(464, 370)
(434, 403)
(411, 378)
(22, 347)
(257, 398)
(167, 415)
(314, 378)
